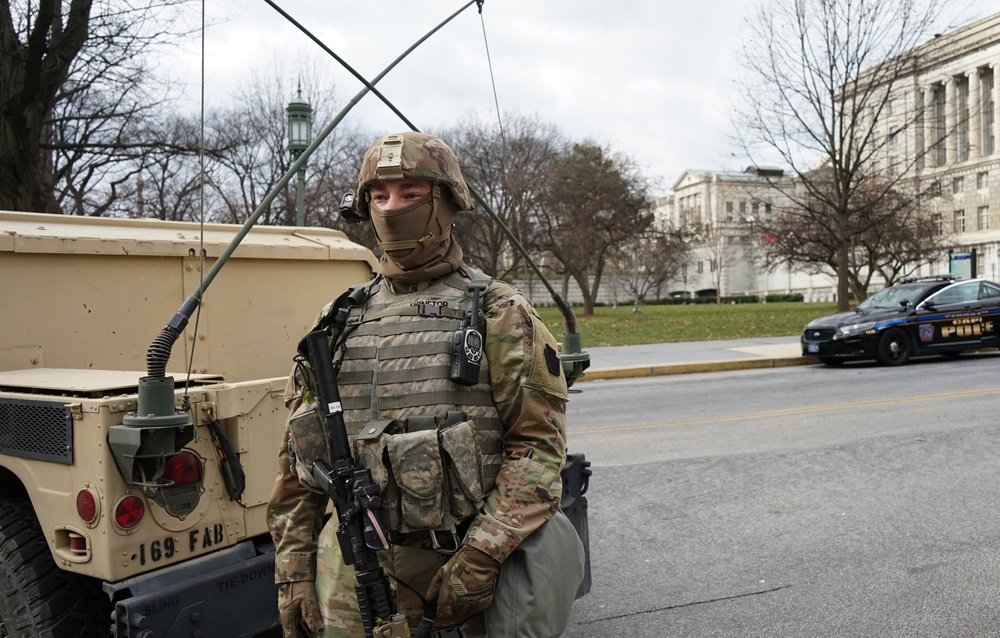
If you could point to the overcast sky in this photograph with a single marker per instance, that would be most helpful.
(650, 78)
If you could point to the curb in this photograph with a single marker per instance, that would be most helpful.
(627, 372)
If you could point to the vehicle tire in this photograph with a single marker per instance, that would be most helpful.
(894, 348)
(37, 599)
(833, 362)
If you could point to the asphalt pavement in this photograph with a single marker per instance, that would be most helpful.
(618, 362)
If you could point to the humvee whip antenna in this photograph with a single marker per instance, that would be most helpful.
(201, 208)
(489, 63)
(567, 312)
(158, 353)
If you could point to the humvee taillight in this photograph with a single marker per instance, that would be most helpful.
(86, 506)
(183, 469)
(77, 543)
(129, 512)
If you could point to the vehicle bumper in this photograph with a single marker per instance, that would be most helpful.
(846, 349)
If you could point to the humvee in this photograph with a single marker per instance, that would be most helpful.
(86, 548)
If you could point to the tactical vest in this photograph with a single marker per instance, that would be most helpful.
(433, 446)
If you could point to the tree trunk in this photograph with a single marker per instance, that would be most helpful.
(24, 182)
(31, 73)
(843, 294)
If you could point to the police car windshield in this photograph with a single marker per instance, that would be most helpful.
(894, 296)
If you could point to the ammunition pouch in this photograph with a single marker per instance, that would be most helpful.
(307, 442)
(429, 469)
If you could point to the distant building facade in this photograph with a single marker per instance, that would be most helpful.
(940, 126)
(720, 210)
(951, 147)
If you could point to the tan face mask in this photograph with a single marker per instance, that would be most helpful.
(416, 239)
(404, 233)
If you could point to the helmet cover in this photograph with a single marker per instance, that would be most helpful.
(411, 155)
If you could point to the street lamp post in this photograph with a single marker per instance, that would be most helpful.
(299, 138)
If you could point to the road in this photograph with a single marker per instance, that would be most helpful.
(805, 501)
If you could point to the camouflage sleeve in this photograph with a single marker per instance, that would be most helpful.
(530, 393)
(294, 512)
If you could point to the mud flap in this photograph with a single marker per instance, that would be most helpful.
(576, 479)
(228, 593)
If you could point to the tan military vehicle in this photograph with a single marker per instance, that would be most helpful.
(109, 528)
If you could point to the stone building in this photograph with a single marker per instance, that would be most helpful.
(720, 210)
(949, 145)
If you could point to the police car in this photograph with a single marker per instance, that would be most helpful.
(936, 315)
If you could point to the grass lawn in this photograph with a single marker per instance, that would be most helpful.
(696, 322)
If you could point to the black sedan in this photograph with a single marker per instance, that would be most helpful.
(937, 315)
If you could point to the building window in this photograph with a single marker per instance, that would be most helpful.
(938, 223)
(711, 265)
(743, 208)
(984, 218)
(957, 185)
(701, 266)
(987, 109)
(935, 189)
(959, 221)
(981, 180)
(729, 211)
(767, 211)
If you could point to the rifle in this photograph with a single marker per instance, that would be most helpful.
(355, 496)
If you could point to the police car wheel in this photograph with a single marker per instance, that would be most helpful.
(894, 348)
(36, 597)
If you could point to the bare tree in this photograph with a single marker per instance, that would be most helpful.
(655, 257)
(821, 76)
(508, 168)
(896, 247)
(72, 90)
(889, 230)
(594, 202)
(255, 131)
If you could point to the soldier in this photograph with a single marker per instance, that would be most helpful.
(468, 468)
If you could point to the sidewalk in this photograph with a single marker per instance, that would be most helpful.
(648, 360)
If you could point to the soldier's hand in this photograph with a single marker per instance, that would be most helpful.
(464, 586)
(298, 609)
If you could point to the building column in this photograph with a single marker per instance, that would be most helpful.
(914, 139)
(951, 116)
(996, 105)
(975, 115)
(930, 128)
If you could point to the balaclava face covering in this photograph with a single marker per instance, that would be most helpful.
(416, 239)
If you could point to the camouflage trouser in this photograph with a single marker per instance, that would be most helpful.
(413, 562)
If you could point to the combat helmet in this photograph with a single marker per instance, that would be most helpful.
(411, 155)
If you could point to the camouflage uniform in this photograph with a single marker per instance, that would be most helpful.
(394, 366)
(529, 395)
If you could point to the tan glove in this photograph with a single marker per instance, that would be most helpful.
(464, 586)
(298, 609)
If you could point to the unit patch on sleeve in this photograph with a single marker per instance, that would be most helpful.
(552, 360)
